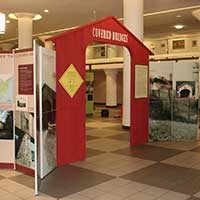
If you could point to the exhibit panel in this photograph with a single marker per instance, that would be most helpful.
(160, 102)
(174, 100)
(24, 111)
(47, 111)
(7, 157)
(185, 106)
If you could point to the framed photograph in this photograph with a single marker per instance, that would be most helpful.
(103, 52)
(185, 89)
(162, 45)
(178, 44)
(194, 43)
(22, 103)
(6, 125)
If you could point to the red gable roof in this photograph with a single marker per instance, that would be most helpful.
(99, 22)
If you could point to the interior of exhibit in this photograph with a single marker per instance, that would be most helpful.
(65, 104)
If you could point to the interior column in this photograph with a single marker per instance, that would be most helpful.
(47, 44)
(25, 28)
(133, 20)
(111, 87)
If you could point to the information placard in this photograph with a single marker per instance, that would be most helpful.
(141, 81)
(26, 79)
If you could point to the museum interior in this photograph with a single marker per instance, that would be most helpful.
(100, 100)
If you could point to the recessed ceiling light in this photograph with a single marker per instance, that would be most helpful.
(178, 16)
(7, 21)
(46, 11)
(178, 26)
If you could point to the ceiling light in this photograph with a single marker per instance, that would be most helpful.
(2, 23)
(12, 16)
(33, 16)
(46, 11)
(178, 26)
(37, 17)
(178, 16)
(7, 21)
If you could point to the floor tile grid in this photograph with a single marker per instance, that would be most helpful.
(187, 159)
(114, 194)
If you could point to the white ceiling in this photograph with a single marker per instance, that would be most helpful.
(68, 13)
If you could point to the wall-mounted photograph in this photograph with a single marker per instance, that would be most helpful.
(48, 139)
(194, 43)
(21, 103)
(6, 88)
(185, 89)
(178, 44)
(161, 81)
(24, 139)
(6, 125)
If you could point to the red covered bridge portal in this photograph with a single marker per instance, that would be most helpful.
(70, 90)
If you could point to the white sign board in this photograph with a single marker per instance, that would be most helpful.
(141, 81)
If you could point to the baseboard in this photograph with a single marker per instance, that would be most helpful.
(6, 165)
(112, 106)
(104, 104)
(126, 127)
(100, 104)
(25, 170)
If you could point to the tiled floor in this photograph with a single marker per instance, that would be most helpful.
(196, 149)
(187, 159)
(149, 152)
(71, 179)
(113, 171)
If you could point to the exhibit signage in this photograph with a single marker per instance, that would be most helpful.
(71, 80)
(141, 81)
(109, 35)
(26, 79)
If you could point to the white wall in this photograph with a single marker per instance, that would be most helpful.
(165, 45)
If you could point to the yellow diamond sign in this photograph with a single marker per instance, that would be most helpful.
(71, 80)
